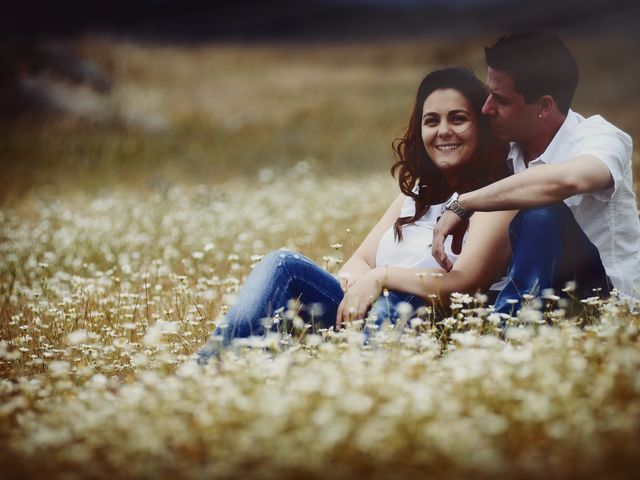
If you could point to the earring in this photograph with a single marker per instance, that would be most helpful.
(539, 115)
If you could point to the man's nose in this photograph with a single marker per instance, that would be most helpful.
(489, 108)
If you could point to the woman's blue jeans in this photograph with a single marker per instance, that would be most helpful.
(549, 249)
(279, 277)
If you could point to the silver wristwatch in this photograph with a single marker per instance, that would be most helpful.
(453, 205)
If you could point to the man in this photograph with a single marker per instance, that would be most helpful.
(572, 181)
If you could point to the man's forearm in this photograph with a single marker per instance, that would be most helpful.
(540, 185)
(535, 187)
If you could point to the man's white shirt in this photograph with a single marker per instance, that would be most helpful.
(609, 217)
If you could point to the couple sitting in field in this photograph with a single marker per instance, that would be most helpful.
(473, 208)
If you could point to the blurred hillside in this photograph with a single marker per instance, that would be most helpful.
(149, 103)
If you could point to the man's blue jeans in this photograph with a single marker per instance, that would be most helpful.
(279, 277)
(549, 249)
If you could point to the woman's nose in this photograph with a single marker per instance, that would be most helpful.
(444, 129)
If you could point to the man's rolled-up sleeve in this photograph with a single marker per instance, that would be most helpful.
(604, 141)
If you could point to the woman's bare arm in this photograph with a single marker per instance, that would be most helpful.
(484, 257)
(364, 258)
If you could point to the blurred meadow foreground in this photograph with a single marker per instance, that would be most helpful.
(132, 211)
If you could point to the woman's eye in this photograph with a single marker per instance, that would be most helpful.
(459, 119)
(431, 122)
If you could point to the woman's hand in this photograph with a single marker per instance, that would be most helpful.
(348, 279)
(359, 297)
(351, 272)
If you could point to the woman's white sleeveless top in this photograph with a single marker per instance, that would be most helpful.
(414, 251)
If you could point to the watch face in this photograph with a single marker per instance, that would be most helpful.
(450, 202)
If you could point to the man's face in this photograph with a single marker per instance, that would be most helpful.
(510, 117)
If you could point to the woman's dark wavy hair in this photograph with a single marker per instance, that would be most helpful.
(414, 168)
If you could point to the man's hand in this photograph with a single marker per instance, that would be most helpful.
(448, 224)
(359, 297)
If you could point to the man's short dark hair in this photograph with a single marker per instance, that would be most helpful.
(540, 64)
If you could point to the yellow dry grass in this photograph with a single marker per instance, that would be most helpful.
(122, 239)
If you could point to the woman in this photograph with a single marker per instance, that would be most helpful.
(447, 149)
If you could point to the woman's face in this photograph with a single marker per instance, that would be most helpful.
(449, 130)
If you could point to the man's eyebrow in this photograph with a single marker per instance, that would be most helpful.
(498, 96)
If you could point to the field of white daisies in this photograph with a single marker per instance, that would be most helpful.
(106, 292)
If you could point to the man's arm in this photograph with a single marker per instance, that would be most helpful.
(537, 186)
(541, 185)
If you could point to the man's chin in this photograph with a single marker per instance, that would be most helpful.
(501, 133)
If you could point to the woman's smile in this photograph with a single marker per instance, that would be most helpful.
(448, 147)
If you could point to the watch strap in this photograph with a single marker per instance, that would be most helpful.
(453, 205)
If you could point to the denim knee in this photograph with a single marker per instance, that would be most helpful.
(276, 260)
(280, 258)
(542, 220)
(274, 257)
